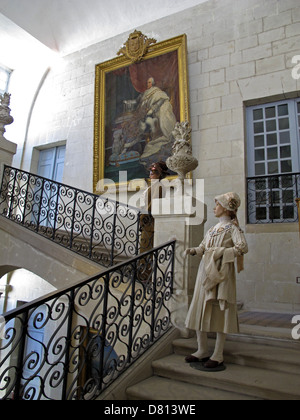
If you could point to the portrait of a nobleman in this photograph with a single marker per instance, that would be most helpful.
(141, 110)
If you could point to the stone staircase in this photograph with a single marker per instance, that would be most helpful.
(261, 363)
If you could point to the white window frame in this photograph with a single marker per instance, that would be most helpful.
(294, 137)
(271, 190)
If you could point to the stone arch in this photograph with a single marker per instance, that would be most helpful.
(19, 285)
(21, 248)
(5, 269)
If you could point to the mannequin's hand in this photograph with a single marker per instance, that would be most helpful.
(191, 251)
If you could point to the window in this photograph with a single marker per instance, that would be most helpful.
(51, 163)
(273, 132)
(4, 79)
(51, 166)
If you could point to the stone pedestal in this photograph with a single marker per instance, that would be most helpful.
(7, 151)
(7, 148)
(188, 230)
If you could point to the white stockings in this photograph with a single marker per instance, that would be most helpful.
(203, 346)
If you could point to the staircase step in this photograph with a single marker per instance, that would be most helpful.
(251, 381)
(262, 362)
(158, 388)
(248, 354)
(280, 337)
(275, 326)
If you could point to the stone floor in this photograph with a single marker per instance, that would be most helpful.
(266, 319)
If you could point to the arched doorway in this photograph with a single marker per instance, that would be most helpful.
(18, 286)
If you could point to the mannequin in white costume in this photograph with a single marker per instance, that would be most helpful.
(213, 307)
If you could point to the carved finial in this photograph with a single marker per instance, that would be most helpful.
(182, 160)
(5, 99)
(5, 117)
(136, 46)
(182, 131)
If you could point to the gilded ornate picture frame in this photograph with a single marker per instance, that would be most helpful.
(139, 96)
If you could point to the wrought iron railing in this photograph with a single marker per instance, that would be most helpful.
(72, 344)
(271, 199)
(97, 228)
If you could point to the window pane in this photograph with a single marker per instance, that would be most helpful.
(259, 155)
(284, 137)
(261, 197)
(257, 114)
(259, 127)
(287, 181)
(288, 196)
(260, 169)
(261, 213)
(271, 125)
(275, 213)
(285, 152)
(272, 168)
(271, 139)
(286, 166)
(275, 197)
(273, 183)
(288, 212)
(282, 110)
(260, 184)
(270, 112)
(259, 141)
(284, 124)
(272, 153)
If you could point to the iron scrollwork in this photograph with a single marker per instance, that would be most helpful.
(72, 344)
(103, 230)
(271, 199)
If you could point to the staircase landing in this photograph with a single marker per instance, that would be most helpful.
(266, 319)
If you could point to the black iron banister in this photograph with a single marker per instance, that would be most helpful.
(100, 229)
(73, 343)
(271, 198)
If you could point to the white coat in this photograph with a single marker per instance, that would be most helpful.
(213, 307)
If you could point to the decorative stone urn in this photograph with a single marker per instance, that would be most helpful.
(5, 117)
(182, 161)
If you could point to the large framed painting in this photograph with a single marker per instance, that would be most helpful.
(139, 97)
